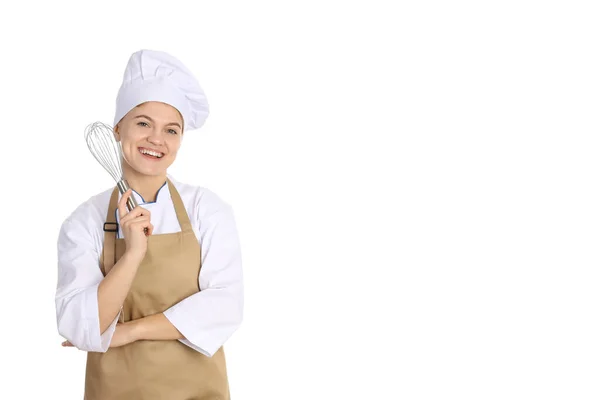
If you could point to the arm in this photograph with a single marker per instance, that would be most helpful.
(88, 303)
(208, 318)
(79, 277)
(113, 289)
(154, 327)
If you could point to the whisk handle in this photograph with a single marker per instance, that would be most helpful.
(131, 203)
(123, 187)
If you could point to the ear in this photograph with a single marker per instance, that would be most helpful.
(116, 133)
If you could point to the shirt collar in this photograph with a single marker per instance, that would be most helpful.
(163, 194)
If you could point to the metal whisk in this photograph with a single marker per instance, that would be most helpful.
(103, 146)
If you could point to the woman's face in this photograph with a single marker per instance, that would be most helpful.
(150, 127)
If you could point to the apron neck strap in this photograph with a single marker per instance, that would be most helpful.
(182, 215)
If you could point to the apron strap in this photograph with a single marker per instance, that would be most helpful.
(109, 250)
(182, 215)
(110, 233)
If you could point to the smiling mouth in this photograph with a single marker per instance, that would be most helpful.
(151, 154)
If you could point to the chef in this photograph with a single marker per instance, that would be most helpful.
(152, 308)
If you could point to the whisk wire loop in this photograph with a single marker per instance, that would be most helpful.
(108, 152)
(103, 146)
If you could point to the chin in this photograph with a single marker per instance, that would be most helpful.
(141, 169)
(151, 171)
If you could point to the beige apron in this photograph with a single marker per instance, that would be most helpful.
(150, 369)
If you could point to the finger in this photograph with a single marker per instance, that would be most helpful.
(129, 218)
(139, 210)
(126, 223)
(140, 225)
(149, 229)
(66, 343)
(122, 202)
(135, 213)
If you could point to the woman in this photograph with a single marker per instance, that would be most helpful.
(153, 309)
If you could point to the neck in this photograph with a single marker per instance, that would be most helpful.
(146, 185)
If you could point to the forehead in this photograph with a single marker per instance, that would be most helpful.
(157, 110)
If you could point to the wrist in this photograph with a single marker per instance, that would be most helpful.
(136, 329)
(133, 257)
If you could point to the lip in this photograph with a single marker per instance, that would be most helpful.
(150, 158)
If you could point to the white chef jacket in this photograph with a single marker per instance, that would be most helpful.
(206, 319)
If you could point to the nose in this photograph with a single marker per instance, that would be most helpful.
(156, 136)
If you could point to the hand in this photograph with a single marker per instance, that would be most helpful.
(124, 334)
(133, 224)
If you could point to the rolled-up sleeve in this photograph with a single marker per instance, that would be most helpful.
(76, 298)
(208, 318)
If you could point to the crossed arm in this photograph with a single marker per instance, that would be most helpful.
(193, 321)
(152, 327)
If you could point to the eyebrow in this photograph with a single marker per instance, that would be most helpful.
(145, 116)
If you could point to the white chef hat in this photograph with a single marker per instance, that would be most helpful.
(157, 76)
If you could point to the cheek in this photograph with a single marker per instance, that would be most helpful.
(174, 146)
(130, 141)
(129, 146)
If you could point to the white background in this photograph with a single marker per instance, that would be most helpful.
(415, 186)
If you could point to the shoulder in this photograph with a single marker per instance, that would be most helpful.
(89, 215)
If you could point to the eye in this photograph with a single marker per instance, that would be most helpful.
(142, 122)
(173, 131)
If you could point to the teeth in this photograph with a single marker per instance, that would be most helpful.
(150, 152)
